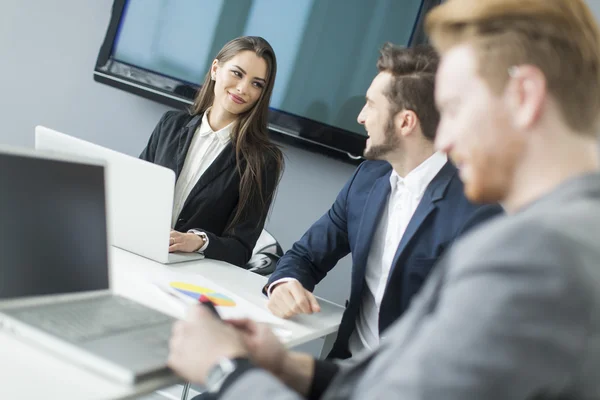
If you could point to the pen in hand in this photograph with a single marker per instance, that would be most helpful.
(187, 301)
(205, 301)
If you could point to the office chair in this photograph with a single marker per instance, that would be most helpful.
(265, 255)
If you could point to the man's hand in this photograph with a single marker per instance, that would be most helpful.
(185, 242)
(290, 298)
(199, 342)
(264, 348)
(296, 370)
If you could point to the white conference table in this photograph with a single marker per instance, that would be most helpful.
(27, 372)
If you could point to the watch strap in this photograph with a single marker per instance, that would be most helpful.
(227, 378)
(204, 237)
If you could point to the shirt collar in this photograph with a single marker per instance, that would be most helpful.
(223, 134)
(419, 178)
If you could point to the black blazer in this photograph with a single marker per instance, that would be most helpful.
(212, 203)
(443, 214)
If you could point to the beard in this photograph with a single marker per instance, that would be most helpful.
(391, 142)
(494, 168)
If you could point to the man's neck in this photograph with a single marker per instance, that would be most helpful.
(404, 163)
(544, 173)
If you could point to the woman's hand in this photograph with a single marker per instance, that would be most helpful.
(185, 242)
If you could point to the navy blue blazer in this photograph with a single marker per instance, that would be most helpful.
(443, 214)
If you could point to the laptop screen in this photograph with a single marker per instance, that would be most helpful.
(52, 227)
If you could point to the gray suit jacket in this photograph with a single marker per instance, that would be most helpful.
(512, 312)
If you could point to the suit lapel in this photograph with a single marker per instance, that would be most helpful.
(372, 211)
(185, 140)
(434, 192)
(221, 163)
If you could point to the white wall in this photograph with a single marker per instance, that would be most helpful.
(48, 51)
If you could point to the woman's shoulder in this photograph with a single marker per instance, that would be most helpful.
(274, 161)
(171, 125)
(271, 155)
(175, 119)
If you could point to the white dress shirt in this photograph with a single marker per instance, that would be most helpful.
(405, 195)
(205, 147)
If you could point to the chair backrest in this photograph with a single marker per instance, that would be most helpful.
(265, 255)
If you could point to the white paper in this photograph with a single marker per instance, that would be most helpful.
(235, 307)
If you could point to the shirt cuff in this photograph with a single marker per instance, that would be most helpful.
(277, 282)
(203, 235)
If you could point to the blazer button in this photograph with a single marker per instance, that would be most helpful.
(181, 221)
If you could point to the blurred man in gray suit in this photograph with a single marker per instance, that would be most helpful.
(513, 309)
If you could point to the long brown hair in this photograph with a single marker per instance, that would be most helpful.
(254, 150)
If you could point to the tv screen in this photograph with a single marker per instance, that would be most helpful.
(326, 52)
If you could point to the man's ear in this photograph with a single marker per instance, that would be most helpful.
(525, 95)
(406, 122)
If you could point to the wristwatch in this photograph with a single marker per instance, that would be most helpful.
(204, 238)
(219, 373)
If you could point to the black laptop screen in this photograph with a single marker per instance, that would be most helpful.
(52, 227)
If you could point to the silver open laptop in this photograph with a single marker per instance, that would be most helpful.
(54, 271)
(140, 196)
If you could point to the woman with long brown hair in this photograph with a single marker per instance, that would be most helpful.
(226, 166)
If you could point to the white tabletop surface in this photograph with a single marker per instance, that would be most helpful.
(28, 372)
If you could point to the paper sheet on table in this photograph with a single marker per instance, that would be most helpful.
(190, 286)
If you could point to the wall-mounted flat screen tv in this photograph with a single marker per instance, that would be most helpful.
(326, 52)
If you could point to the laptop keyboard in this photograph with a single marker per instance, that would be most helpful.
(90, 319)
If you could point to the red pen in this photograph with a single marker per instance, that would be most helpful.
(205, 301)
